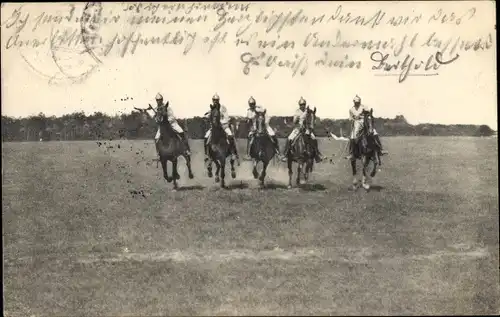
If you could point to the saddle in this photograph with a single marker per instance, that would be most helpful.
(303, 131)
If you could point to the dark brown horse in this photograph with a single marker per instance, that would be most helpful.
(219, 149)
(262, 147)
(169, 147)
(302, 150)
(365, 149)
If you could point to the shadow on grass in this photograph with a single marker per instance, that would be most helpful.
(191, 187)
(238, 185)
(312, 187)
(272, 186)
(376, 188)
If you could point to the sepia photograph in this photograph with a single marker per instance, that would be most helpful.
(249, 158)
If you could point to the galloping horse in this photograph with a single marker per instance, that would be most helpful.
(169, 147)
(365, 149)
(218, 149)
(302, 150)
(262, 148)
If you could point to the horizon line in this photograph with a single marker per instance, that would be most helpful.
(192, 117)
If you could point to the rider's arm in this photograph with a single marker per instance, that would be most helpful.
(170, 115)
(296, 118)
(146, 112)
(250, 115)
(352, 115)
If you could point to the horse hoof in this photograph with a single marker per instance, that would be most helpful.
(289, 187)
(191, 176)
(217, 179)
(255, 175)
(168, 179)
(366, 187)
(210, 174)
(233, 174)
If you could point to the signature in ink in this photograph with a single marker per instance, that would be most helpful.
(409, 66)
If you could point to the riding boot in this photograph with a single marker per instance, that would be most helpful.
(232, 141)
(351, 149)
(249, 146)
(319, 156)
(205, 147)
(156, 146)
(276, 145)
(186, 143)
(286, 150)
(379, 144)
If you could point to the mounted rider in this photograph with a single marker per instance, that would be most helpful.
(164, 108)
(356, 116)
(298, 120)
(252, 112)
(224, 120)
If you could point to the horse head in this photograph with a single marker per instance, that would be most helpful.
(310, 119)
(368, 122)
(215, 116)
(260, 122)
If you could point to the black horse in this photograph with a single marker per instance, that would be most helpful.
(262, 147)
(219, 149)
(365, 149)
(169, 147)
(302, 150)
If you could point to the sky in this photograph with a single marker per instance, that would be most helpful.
(464, 92)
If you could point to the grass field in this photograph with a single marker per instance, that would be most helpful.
(95, 231)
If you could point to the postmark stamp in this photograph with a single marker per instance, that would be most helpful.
(76, 59)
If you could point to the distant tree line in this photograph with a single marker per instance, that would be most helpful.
(79, 126)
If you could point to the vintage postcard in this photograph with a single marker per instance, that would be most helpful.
(250, 158)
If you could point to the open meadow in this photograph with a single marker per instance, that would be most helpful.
(92, 230)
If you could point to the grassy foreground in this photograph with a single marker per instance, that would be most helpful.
(96, 231)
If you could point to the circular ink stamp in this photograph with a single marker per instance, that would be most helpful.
(90, 24)
(71, 48)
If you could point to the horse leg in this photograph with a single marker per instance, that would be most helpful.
(354, 172)
(175, 174)
(290, 172)
(223, 174)
(233, 172)
(299, 170)
(217, 171)
(307, 169)
(254, 171)
(365, 185)
(165, 171)
(263, 173)
(375, 167)
(188, 164)
(209, 168)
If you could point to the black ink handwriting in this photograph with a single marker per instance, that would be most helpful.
(314, 40)
(127, 44)
(348, 18)
(409, 64)
(453, 44)
(17, 20)
(297, 64)
(451, 17)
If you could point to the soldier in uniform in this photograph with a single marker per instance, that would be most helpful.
(298, 119)
(252, 111)
(161, 108)
(356, 117)
(224, 120)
